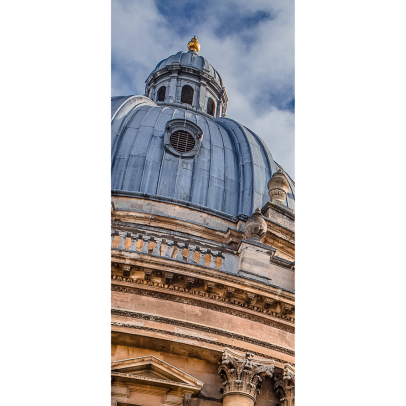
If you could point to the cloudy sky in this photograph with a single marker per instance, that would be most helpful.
(250, 43)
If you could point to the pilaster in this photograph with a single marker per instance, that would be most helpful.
(171, 94)
(285, 385)
(202, 98)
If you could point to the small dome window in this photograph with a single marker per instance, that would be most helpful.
(182, 141)
(211, 106)
(161, 93)
(187, 95)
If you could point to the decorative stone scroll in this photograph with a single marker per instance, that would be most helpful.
(242, 374)
(285, 385)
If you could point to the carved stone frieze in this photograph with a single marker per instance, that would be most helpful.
(126, 269)
(204, 305)
(243, 374)
(227, 296)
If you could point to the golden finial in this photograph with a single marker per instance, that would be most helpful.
(193, 44)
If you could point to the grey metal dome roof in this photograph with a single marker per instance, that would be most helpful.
(192, 60)
(228, 175)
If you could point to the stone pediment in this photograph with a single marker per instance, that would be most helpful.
(152, 371)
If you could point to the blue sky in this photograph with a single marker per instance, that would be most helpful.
(250, 43)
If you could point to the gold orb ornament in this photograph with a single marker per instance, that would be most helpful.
(193, 44)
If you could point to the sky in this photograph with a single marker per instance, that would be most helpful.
(250, 43)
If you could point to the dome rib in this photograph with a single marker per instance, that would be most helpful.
(229, 174)
(189, 59)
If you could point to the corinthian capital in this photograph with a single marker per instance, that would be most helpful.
(285, 385)
(242, 373)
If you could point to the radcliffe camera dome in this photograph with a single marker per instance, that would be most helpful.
(177, 145)
(203, 248)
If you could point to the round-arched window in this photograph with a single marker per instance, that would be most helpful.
(161, 93)
(211, 106)
(187, 94)
(182, 141)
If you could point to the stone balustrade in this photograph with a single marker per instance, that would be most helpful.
(172, 249)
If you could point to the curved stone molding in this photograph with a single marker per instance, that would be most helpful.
(243, 375)
(200, 327)
(192, 338)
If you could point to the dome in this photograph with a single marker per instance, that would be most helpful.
(228, 174)
(191, 60)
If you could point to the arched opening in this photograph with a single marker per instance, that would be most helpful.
(211, 106)
(161, 93)
(187, 94)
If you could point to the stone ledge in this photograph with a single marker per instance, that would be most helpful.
(193, 206)
(283, 210)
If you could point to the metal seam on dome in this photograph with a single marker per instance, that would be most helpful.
(149, 144)
(132, 145)
(163, 158)
(127, 116)
(123, 127)
(241, 169)
(225, 176)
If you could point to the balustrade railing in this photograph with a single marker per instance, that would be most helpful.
(163, 247)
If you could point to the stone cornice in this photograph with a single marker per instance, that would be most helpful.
(203, 303)
(283, 236)
(200, 327)
(149, 380)
(192, 206)
(162, 263)
(273, 206)
(117, 325)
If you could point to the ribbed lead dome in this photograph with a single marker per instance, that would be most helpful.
(192, 60)
(229, 174)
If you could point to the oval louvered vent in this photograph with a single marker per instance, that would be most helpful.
(182, 141)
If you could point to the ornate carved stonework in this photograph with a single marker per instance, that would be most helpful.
(243, 373)
(285, 385)
(210, 306)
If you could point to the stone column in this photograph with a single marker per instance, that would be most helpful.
(171, 92)
(218, 109)
(242, 374)
(152, 93)
(285, 385)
